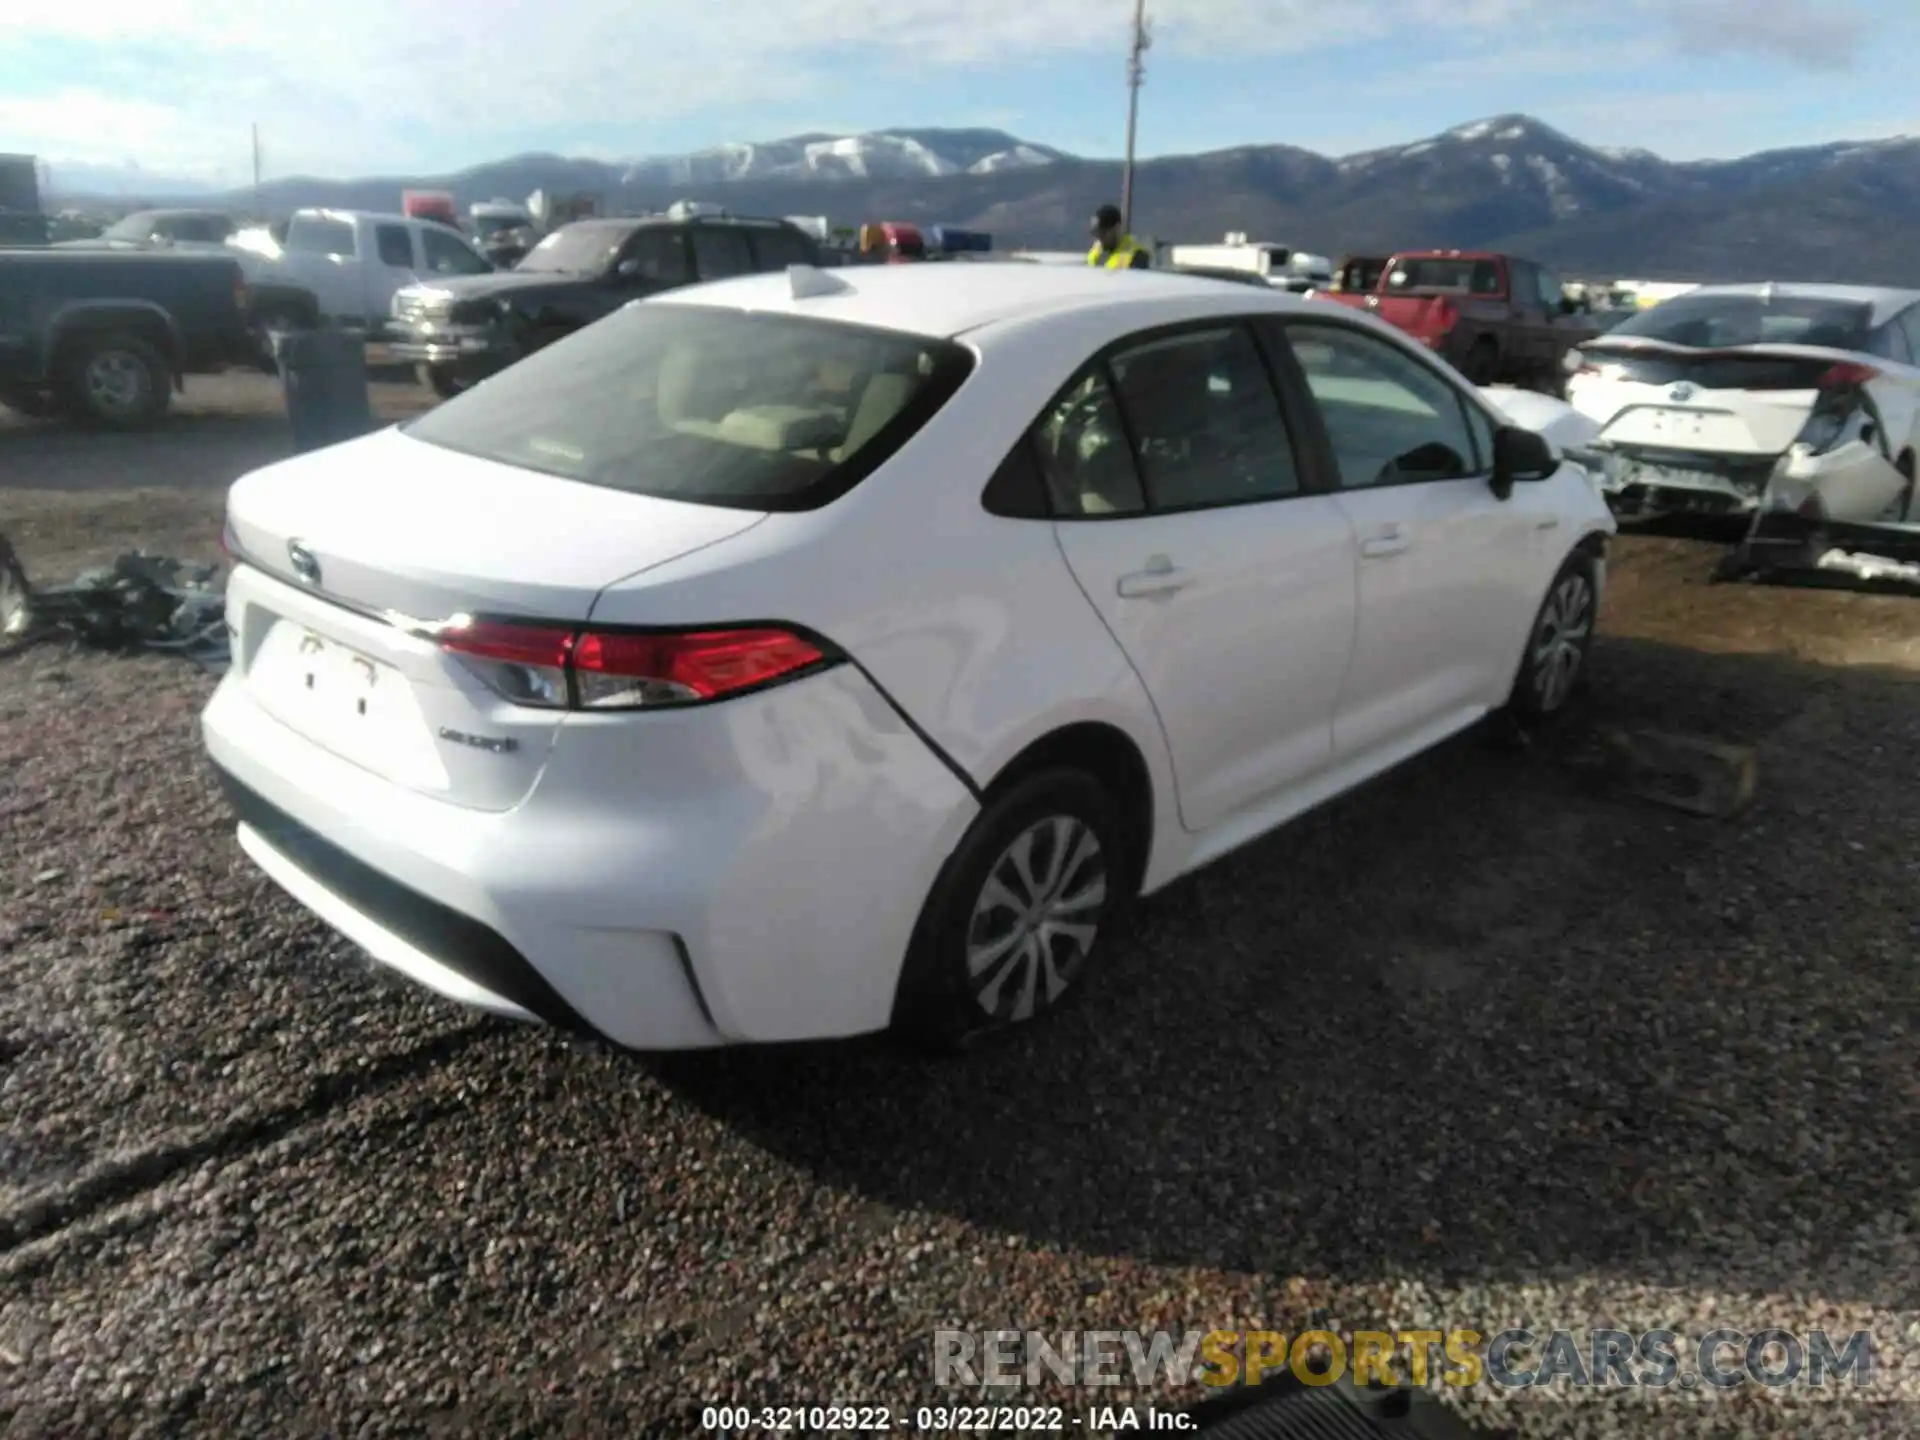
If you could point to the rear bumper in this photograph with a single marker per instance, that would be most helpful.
(1852, 481)
(1638, 482)
(674, 881)
(435, 945)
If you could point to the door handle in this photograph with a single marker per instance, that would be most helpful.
(1160, 577)
(1547, 522)
(1388, 542)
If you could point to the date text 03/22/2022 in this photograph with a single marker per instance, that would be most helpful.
(939, 1420)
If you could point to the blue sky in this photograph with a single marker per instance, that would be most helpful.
(345, 87)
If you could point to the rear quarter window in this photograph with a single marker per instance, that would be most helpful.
(684, 402)
(318, 235)
(777, 247)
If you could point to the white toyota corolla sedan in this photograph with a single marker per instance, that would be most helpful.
(813, 653)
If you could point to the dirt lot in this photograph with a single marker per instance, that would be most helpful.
(1489, 1043)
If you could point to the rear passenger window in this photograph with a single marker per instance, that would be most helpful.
(720, 252)
(319, 235)
(777, 247)
(1205, 420)
(396, 246)
(1083, 453)
(658, 254)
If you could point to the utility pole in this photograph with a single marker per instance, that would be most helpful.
(1136, 75)
(258, 214)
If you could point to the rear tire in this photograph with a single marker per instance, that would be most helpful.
(1017, 916)
(115, 381)
(1553, 666)
(1482, 365)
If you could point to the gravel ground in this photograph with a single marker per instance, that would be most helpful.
(1485, 1044)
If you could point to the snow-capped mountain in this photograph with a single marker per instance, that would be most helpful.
(1842, 211)
(879, 155)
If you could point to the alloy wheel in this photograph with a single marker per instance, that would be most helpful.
(116, 382)
(1036, 918)
(1560, 640)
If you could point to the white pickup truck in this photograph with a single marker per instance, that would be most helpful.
(350, 263)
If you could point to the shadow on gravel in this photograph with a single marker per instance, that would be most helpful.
(1483, 1020)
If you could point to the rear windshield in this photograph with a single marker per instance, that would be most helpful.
(683, 402)
(1712, 322)
(1481, 277)
(585, 248)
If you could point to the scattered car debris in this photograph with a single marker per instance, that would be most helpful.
(140, 602)
(1869, 567)
(1685, 772)
(1784, 548)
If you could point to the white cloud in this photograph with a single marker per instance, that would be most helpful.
(344, 85)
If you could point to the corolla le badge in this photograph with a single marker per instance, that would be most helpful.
(1681, 392)
(305, 565)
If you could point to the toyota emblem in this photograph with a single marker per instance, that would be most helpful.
(303, 562)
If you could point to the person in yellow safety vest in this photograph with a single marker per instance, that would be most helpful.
(1113, 248)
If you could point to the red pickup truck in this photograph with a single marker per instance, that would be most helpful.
(1493, 317)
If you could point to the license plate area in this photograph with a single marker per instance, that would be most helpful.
(351, 703)
(1713, 430)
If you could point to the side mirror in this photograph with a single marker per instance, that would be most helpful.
(1519, 455)
(628, 271)
(1569, 305)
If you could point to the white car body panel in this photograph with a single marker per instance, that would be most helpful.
(1245, 661)
(754, 870)
(1663, 427)
(354, 290)
(1565, 427)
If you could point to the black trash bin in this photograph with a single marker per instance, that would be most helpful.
(324, 375)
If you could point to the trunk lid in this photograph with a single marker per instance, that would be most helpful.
(399, 535)
(1754, 400)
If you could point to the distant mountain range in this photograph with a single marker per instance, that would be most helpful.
(1848, 211)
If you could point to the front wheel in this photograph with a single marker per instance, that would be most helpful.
(1016, 918)
(1482, 365)
(1555, 662)
(445, 381)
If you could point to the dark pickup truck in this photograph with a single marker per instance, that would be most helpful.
(462, 329)
(1492, 317)
(108, 337)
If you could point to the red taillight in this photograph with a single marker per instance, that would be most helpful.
(1847, 375)
(560, 667)
(688, 665)
(542, 645)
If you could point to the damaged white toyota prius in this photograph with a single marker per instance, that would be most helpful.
(1737, 398)
(827, 652)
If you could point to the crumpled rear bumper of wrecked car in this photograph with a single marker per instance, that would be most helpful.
(1851, 481)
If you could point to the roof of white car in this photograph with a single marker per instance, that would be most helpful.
(1885, 301)
(947, 300)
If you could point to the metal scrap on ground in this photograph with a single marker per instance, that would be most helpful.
(1687, 772)
(140, 602)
